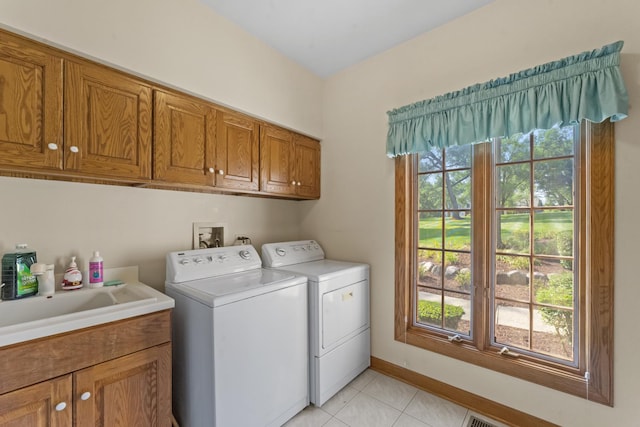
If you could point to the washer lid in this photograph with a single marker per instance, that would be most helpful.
(327, 269)
(221, 290)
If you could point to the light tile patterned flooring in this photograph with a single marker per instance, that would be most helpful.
(375, 400)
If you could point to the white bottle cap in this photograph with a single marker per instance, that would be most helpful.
(96, 254)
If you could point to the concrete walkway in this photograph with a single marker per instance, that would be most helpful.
(514, 317)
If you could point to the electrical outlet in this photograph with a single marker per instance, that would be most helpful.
(242, 239)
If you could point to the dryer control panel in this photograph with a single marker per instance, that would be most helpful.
(197, 264)
(289, 253)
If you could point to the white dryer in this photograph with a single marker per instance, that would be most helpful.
(339, 327)
(240, 339)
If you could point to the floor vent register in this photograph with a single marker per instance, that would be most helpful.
(477, 422)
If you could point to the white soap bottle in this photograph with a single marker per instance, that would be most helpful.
(96, 272)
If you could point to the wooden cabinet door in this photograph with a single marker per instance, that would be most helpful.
(30, 106)
(276, 160)
(133, 390)
(46, 404)
(184, 135)
(107, 122)
(237, 152)
(306, 152)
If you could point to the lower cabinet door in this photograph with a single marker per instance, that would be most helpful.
(44, 404)
(133, 390)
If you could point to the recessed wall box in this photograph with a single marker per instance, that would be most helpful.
(208, 235)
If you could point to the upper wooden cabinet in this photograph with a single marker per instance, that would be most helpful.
(276, 160)
(65, 117)
(306, 152)
(195, 143)
(237, 152)
(30, 105)
(107, 122)
(184, 137)
(289, 163)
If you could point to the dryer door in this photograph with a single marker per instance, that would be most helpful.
(345, 313)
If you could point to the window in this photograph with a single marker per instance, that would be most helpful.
(505, 256)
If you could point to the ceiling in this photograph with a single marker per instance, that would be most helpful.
(327, 36)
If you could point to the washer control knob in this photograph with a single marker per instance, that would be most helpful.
(198, 260)
(185, 261)
(280, 252)
(222, 258)
(244, 254)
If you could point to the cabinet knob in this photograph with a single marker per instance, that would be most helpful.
(52, 146)
(298, 183)
(85, 396)
(213, 170)
(74, 149)
(61, 406)
(293, 183)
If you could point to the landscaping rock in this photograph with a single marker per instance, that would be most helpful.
(517, 277)
(538, 277)
(502, 278)
(436, 269)
(451, 272)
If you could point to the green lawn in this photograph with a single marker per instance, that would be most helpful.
(514, 226)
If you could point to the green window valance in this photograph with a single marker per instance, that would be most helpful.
(584, 86)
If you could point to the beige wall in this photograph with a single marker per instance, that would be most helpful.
(182, 43)
(355, 217)
(186, 45)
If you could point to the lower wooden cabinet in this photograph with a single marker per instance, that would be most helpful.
(130, 391)
(44, 404)
(113, 375)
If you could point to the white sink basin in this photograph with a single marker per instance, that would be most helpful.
(39, 316)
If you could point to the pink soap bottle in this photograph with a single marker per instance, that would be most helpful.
(96, 273)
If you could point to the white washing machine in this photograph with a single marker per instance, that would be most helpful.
(339, 332)
(240, 339)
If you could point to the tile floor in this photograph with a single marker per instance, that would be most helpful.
(375, 400)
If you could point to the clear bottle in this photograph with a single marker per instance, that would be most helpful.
(96, 271)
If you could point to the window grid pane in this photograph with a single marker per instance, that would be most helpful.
(534, 234)
(443, 277)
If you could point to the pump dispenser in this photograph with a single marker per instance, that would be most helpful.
(72, 278)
